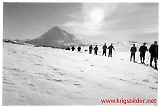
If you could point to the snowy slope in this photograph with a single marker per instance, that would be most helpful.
(46, 76)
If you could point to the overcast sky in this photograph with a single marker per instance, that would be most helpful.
(100, 22)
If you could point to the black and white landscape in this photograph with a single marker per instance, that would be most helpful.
(37, 70)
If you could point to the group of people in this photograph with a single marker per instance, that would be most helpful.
(153, 50)
(104, 49)
(95, 49)
(73, 48)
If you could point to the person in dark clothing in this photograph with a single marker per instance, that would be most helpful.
(73, 48)
(133, 52)
(104, 49)
(95, 50)
(67, 48)
(154, 53)
(110, 50)
(79, 48)
(142, 51)
(90, 49)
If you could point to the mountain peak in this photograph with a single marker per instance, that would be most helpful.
(56, 27)
(56, 37)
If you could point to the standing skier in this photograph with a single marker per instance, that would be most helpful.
(79, 48)
(104, 49)
(110, 50)
(95, 50)
(90, 49)
(73, 48)
(142, 51)
(133, 51)
(154, 53)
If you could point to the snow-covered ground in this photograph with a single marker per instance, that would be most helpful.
(47, 76)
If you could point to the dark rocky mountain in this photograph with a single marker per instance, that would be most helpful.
(21, 42)
(56, 37)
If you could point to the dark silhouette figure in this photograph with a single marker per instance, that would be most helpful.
(104, 49)
(67, 48)
(95, 50)
(73, 48)
(154, 53)
(79, 48)
(110, 50)
(133, 52)
(90, 49)
(142, 51)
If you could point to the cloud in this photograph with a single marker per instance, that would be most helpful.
(75, 16)
(84, 28)
(122, 21)
(71, 24)
(82, 24)
(108, 8)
